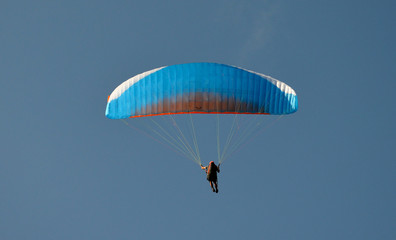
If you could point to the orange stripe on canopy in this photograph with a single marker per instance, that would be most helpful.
(159, 114)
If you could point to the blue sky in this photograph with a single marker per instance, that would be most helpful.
(325, 172)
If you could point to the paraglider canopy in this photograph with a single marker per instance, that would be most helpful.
(200, 88)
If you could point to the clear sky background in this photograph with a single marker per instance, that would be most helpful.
(325, 172)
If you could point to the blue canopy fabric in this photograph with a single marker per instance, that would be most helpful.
(200, 88)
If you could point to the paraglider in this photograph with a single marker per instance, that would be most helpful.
(200, 88)
(211, 175)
